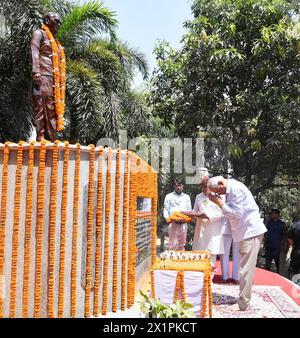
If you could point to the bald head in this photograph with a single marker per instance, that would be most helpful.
(53, 21)
(217, 184)
(203, 183)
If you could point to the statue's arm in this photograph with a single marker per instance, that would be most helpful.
(35, 54)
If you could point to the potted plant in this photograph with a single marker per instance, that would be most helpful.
(155, 309)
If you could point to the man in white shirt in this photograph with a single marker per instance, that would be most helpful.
(177, 201)
(247, 227)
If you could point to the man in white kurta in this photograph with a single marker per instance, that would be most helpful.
(208, 232)
(236, 256)
(247, 228)
(177, 201)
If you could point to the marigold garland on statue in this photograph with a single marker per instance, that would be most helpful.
(89, 248)
(15, 238)
(63, 232)
(59, 66)
(75, 232)
(28, 220)
(39, 230)
(99, 219)
(106, 237)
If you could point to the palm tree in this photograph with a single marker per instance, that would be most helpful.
(100, 70)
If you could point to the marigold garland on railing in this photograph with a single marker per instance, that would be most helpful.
(132, 223)
(52, 227)
(28, 220)
(125, 235)
(99, 220)
(75, 232)
(106, 237)
(154, 228)
(89, 248)
(59, 69)
(61, 290)
(3, 220)
(15, 237)
(39, 230)
(116, 233)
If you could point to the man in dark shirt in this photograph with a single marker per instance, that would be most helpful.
(294, 240)
(273, 239)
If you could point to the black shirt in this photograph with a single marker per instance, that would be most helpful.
(294, 235)
(275, 234)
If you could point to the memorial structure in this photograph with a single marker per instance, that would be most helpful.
(76, 227)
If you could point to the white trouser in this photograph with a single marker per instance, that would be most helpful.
(236, 258)
(213, 259)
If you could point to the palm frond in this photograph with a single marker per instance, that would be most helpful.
(84, 22)
(85, 102)
(132, 58)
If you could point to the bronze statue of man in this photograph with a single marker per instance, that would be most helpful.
(48, 88)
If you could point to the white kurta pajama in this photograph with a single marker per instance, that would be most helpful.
(208, 233)
(177, 231)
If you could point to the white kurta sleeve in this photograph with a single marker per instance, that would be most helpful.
(233, 209)
(166, 208)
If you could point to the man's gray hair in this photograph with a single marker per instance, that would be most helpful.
(214, 182)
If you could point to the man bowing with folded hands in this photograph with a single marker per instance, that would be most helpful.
(247, 227)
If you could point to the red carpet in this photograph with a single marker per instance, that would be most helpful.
(264, 277)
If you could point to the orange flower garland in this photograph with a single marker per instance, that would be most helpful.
(90, 234)
(178, 216)
(15, 239)
(75, 232)
(3, 221)
(39, 231)
(106, 238)
(99, 216)
(205, 291)
(181, 266)
(28, 229)
(154, 229)
(52, 226)
(180, 286)
(132, 224)
(125, 230)
(59, 66)
(63, 232)
(116, 233)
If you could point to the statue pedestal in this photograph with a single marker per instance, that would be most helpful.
(75, 244)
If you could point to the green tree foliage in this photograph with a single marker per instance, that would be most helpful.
(235, 81)
(100, 69)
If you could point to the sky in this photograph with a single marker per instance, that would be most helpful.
(143, 22)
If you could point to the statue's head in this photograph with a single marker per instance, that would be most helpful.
(53, 21)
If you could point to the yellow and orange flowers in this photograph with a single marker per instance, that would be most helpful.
(106, 243)
(178, 216)
(89, 249)
(63, 233)
(28, 217)
(13, 283)
(187, 265)
(39, 231)
(59, 66)
(99, 216)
